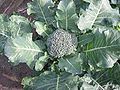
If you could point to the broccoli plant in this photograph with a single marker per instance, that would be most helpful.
(77, 46)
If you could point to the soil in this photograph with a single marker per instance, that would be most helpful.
(11, 76)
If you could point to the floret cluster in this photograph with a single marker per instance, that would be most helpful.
(61, 43)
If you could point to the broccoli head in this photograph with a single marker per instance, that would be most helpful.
(61, 43)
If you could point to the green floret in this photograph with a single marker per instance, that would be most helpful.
(61, 43)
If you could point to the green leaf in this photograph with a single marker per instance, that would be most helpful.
(115, 1)
(40, 9)
(85, 38)
(110, 75)
(106, 79)
(118, 26)
(89, 83)
(87, 86)
(11, 27)
(22, 49)
(41, 28)
(19, 25)
(66, 15)
(71, 64)
(80, 6)
(104, 50)
(4, 26)
(98, 13)
(40, 63)
(14, 26)
(52, 81)
(87, 1)
(26, 81)
(2, 42)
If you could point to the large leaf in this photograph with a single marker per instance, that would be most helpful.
(12, 27)
(88, 83)
(52, 81)
(23, 49)
(40, 9)
(108, 75)
(104, 50)
(66, 15)
(72, 64)
(19, 25)
(85, 38)
(4, 26)
(98, 13)
(106, 79)
(3, 32)
(115, 4)
(81, 6)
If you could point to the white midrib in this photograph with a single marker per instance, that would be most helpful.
(57, 85)
(71, 64)
(27, 49)
(101, 48)
(97, 13)
(66, 20)
(42, 13)
(4, 34)
(50, 84)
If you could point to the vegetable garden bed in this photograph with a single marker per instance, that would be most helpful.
(67, 44)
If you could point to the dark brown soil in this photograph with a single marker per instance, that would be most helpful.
(8, 6)
(11, 76)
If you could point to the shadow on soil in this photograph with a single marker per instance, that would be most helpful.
(11, 76)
